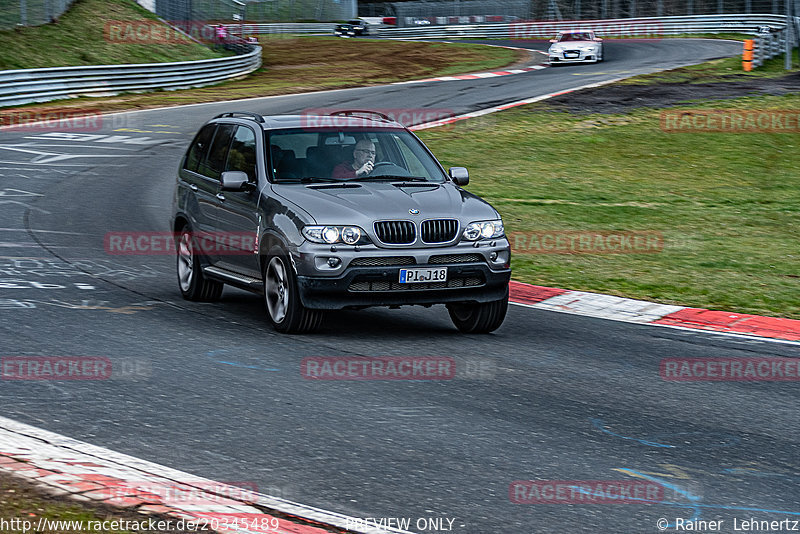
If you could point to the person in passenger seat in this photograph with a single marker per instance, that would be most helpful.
(363, 161)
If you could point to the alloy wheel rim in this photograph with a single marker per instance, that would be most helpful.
(185, 262)
(277, 290)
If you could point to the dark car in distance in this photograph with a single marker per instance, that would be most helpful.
(351, 28)
(312, 235)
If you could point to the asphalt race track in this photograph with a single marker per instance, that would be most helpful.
(215, 392)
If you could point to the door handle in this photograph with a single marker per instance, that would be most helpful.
(220, 196)
(193, 187)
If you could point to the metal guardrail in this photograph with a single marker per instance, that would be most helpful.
(281, 27)
(40, 85)
(767, 46)
(647, 26)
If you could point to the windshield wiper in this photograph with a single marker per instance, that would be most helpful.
(391, 177)
(312, 179)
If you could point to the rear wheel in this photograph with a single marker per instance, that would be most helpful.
(479, 318)
(193, 283)
(282, 299)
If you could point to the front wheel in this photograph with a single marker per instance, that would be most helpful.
(191, 280)
(282, 299)
(479, 317)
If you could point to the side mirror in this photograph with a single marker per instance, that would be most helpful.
(459, 175)
(234, 181)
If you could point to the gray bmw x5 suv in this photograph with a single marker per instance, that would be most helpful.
(326, 212)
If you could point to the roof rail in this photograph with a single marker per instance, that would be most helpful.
(255, 116)
(352, 112)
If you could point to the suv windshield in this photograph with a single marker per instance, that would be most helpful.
(336, 155)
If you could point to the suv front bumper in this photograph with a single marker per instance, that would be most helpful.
(471, 277)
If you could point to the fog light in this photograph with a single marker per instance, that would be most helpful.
(493, 256)
(334, 262)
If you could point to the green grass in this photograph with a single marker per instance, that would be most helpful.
(728, 205)
(19, 500)
(77, 38)
(718, 70)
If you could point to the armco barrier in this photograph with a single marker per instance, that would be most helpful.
(768, 46)
(40, 85)
(645, 26)
(324, 28)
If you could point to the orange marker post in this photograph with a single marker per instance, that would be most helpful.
(747, 56)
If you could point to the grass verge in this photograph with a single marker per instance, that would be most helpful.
(78, 38)
(727, 204)
(20, 502)
(716, 71)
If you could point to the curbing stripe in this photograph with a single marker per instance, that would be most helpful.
(652, 313)
(495, 109)
(65, 466)
(478, 75)
(740, 323)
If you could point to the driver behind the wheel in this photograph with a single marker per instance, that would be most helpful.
(363, 161)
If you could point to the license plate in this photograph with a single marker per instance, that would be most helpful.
(571, 55)
(412, 276)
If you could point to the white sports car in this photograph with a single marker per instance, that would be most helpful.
(576, 47)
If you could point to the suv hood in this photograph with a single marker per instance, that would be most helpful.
(364, 202)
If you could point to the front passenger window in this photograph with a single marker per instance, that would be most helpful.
(199, 147)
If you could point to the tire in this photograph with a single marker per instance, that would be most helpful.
(191, 280)
(282, 299)
(479, 318)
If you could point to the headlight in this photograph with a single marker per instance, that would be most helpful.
(330, 234)
(483, 230)
(349, 235)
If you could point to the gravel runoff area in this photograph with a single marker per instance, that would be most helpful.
(614, 99)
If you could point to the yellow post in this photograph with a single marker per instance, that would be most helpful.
(747, 56)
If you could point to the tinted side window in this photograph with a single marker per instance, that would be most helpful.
(242, 154)
(218, 153)
(199, 147)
